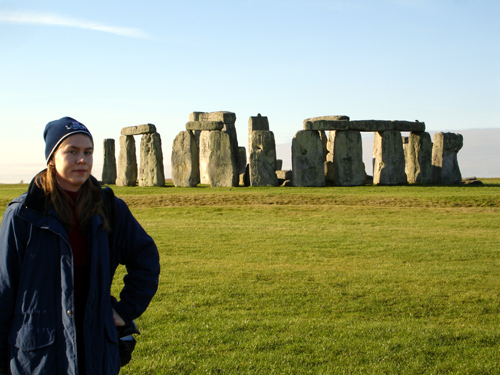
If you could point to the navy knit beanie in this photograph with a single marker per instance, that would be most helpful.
(58, 130)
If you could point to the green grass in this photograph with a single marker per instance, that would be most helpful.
(362, 280)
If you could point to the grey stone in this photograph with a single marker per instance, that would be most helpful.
(346, 158)
(242, 160)
(326, 123)
(384, 125)
(418, 158)
(221, 116)
(279, 165)
(139, 129)
(109, 162)
(389, 168)
(230, 129)
(127, 162)
(444, 158)
(204, 125)
(221, 166)
(262, 159)
(258, 122)
(217, 164)
(307, 159)
(151, 168)
(185, 160)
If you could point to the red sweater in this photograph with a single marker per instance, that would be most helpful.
(78, 242)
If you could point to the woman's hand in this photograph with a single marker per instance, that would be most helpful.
(118, 319)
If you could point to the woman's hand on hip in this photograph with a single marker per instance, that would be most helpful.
(118, 319)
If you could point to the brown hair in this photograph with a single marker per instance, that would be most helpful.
(88, 203)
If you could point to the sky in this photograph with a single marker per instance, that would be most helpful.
(112, 64)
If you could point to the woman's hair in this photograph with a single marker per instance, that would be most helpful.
(88, 202)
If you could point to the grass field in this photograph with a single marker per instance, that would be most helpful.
(361, 280)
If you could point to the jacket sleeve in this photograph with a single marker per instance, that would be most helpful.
(133, 247)
(13, 240)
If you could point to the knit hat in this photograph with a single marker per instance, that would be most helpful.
(58, 130)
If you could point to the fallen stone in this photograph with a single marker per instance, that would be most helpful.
(445, 167)
(418, 158)
(287, 183)
(307, 159)
(139, 129)
(389, 166)
(472, 181)
(204, 125)
(109, 162)
(185, 160)
(284, 175)
(127, 162)
(151, 168)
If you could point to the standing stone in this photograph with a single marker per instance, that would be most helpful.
(151, 167)
(307, 159)
(221, 167)
(418, 158)
(109, 162)
(185, 160)
(258, 122)
(389, 168)
(262, 159)
(444, 158)
(242, 160)
(346, 153)
(204, 154)
(127, 162)
(230, 129)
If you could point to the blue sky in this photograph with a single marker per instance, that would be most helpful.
(112, 64)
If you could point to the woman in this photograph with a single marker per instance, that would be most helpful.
(60, 244)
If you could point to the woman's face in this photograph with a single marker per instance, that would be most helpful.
(73, 161)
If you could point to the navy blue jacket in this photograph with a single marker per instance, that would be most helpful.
(37, 324)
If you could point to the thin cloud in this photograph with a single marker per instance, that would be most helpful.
(56, 20)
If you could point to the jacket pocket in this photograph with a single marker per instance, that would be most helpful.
(111, 332)
(29, 338)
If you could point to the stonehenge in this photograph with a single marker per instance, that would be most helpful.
(151, 168)
(327, 151)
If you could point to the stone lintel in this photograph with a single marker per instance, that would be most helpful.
(139, 129)
(326, 125)
(221, 116)
(258, 122)
(385, 125)
(204, 125)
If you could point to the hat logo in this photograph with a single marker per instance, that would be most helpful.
(76, 126)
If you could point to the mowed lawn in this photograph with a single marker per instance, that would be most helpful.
(361, 280)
